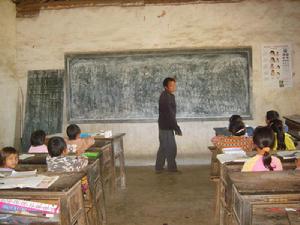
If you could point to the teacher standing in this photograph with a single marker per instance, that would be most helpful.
(167, 126)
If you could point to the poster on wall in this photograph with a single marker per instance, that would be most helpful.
(277, 65)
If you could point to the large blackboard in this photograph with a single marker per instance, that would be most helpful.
(44, 103)
(125, 86)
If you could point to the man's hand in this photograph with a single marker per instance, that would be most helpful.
(178, 131)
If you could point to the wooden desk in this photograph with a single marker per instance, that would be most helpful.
(275, 215)
(38, 162)
(118, 157)
(214, 164)
(263, 189)
(94, 201)
(66, 192)
(224, 194)
(17, 220)
(96, 205)
(107, 167)
(293, 123)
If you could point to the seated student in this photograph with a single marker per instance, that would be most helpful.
(283, 141)
(235, 118)
(274, 115)
(271, 115)
(9, 159)
(237, 140)
(263, 138)
(37, 141)
(59, 161)
(75, 144)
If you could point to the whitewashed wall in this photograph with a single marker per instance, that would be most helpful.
(8, 80)
(42, 42)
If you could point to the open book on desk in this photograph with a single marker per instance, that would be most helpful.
(237, 157)
(288, 154)
(36, 181)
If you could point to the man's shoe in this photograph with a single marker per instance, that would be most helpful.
(175, 171)
(159, 171)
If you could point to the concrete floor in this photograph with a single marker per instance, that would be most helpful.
(164, 199)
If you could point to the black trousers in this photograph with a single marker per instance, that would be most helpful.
(167, 150)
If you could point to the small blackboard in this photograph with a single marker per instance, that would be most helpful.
(44, 103)
(125, 86)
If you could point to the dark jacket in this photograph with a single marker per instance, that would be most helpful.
(167, 112)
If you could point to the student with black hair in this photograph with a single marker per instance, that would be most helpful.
(271, 115)
(227, 131)
(37, 141)
(167, 127)
(283, 141)
(237, 139)
(237, 118)
(59, 161)
(9, 158)
(75, 144)
(274, 115)
(263, 139)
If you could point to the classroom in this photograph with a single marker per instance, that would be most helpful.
(101, 64)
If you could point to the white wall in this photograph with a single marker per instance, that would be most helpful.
(42, 42)
(8, 81)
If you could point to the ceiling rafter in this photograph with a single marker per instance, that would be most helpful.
(30, 8)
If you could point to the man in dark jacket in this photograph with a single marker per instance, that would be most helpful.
(167, 126)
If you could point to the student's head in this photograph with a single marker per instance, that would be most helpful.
(73, 131)
(277, 126)
(235, 118)
(57, 146)
(9, 157)
(237, 127)
(169, 84)
(271, 115)
(38, 138)
(263, 138)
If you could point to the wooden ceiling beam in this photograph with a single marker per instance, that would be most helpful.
(30, 8)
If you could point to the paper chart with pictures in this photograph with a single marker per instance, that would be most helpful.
(277, 65)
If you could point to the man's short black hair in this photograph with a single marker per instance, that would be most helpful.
(72, 131)
(38, 138)
(167, 80)
(56, 146)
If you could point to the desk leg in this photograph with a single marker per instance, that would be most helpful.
(217, 201)
(113, 171)
(122, 166)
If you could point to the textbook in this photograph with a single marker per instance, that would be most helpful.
(38, 181)
(238, 157)
(23, 173)
(25, 156)
(102, 133)
(23, 207)
(233, 151)
(91, 155)
(288, 154)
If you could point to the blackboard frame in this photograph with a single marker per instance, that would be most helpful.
(72, 55)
